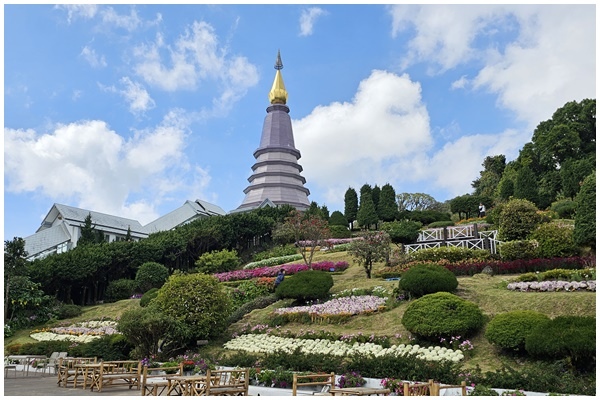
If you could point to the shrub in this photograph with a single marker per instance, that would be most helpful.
(427, 278)
(69, 311)
(277, 251)
(257, 303)
(572, 337)
(585, 217)
(564, 208)
(440, 224)
(509, 330)
(451, 254)
(197, 300)
(119, 289)
(151, 275)
(442, 315)
(273, 261)
(148, 296)
(517, 220)
(339, 232)
(555, 240)
(247, 291)
(519, 250)
(305, 285)
(338, 219)
(107, 348)
(217, 261)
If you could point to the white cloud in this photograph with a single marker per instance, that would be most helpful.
(547, 64)
(74, 11)
(92, 58)
(383, 136)
(138, 98)
(196, 57)
(88, 163)
(308, 18)
(128, 22)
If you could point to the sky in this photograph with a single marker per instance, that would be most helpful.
(131, 110)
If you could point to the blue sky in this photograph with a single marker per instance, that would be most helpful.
(133, 109)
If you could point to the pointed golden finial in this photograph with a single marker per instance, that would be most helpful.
(278, 94)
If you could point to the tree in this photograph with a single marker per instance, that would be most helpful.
(490, 176)
(584, 233)
(151, 275)
(415, 202)
(350, 204)
(376, 193)
(573, 172)
(373, 247)
(14, 265)
(526, 185)
(402, 232)
(367, 214)
(89, 233)
(466, 205)
(337, 218)
(307, 231)
(197, 300)
(388, 208)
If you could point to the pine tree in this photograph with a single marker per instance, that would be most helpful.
(367, 214)
(350, 205)
(584, 233)
(388, 208)
(526, 185)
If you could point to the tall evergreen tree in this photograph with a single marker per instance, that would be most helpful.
(388, 208)
(88, 232)
(526, 185)
(376, 193)
(350, 204)
(367, 214)
(584, 233)
(14, 265)
(489, 178)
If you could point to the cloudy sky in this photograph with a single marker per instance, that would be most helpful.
(133, 109)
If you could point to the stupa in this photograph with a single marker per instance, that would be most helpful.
(276, 178)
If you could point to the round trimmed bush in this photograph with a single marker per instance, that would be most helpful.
(69, 311)
(442, 314)
(424, 279)
(151, 275)
(119, 289)
(518, 219)
(519, 250)
(555, 240)
(305, 285)
(149, 295)
(571, 337)
(509, 330)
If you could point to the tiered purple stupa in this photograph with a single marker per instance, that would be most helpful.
(276, 175)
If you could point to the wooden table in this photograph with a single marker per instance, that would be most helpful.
(193, 385)
(359, 391)
(90, 372)
(26, 360)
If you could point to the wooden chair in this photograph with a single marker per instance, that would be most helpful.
(227, 382)
(155, 385)
(437, 387)
(418, 389)
(68, 374)
(9, 367)
(327, 380)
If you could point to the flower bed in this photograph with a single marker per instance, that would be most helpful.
(553, 286)
(290, 269)
(262, 343)
(82, 332)
(273, 261)
(340, 307)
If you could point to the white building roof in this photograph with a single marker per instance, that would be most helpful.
(46, 239)
(189, 211)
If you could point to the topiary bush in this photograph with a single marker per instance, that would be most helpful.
(305, 285)
(217, 261)
(451, 254)
(119, 289)
(440, 224)
(518, 250)
(69, 311)
(151, 275)
(564, 208)
(555, 240)
(509, 330)
(442, 315)
(339, 232)
(517, 220)
(148, 296)
(565, 337)
(424, 279)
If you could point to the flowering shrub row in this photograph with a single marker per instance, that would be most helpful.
(273, 261)
(378, 291)
(290, 269)
(269, 344)
(82, 332)
(343, 306)
(330, 243)
(553, 286)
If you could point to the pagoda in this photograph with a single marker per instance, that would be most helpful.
(276, 175)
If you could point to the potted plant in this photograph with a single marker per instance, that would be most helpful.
(351, 379)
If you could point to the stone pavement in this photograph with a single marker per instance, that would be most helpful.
(37, 384)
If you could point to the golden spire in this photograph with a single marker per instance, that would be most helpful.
(278, 94)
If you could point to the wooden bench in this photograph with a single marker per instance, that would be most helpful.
(227, 382)
(437, 387)
(68, 373)
(116, 373)
(155, 385)
(313, 380)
